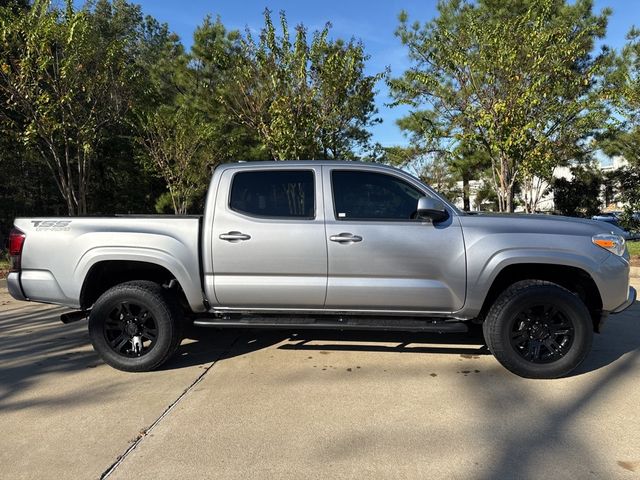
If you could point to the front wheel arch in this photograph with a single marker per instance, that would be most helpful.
(573, 279)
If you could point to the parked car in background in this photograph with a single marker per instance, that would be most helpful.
(615, 218)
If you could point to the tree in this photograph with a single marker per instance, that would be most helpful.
(175, 141)
(630, 195)
(624, 138)
(302, 99)
(214, 55)
(432, 169)
(63, 87)
(623, 185)
(466, 163)
(515, 79)
(580, 196)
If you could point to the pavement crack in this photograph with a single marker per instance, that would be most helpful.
(143, 433)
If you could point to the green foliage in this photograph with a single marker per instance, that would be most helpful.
(486, 198)
(176, 143)
(164, 204)
(214, 56)
(579, 197)
(434, 170)
(624, 138)
(622, 186)
(514, 79)
(64, 83)
(302, 98)
(627, 78)
(103, 110)
(622, 142)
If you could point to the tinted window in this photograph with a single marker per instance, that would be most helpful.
(366, 195)
(275, 193)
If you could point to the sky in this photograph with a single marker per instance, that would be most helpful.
(373, 22)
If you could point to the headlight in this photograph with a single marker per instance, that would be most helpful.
(609, 241)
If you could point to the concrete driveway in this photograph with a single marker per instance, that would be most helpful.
(262, 405)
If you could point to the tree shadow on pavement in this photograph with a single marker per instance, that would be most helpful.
(541, 438)
(34, 343)
(620, 335)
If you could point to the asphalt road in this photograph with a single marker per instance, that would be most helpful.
(262, 405)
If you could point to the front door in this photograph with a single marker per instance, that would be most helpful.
(269, 247)
(380, 257)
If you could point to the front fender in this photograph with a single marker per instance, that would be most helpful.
(482, 275)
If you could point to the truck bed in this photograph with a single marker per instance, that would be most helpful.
(59, 253)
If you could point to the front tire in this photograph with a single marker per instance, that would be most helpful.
(135, 326)
(538, 329)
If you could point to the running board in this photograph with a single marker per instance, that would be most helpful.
(348, 323)
(71, 317)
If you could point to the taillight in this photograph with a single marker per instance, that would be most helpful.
(16, 242)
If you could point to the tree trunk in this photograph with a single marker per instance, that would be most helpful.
(510, 206)
(505, 193)
(466, 204)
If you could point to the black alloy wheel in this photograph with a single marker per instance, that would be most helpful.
(538, 329)
(542, 334)
(136, 326)
(131, 330)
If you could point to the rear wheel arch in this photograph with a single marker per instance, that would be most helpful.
(106, 274)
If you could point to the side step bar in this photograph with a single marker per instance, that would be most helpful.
(351, 323)
(73, 316)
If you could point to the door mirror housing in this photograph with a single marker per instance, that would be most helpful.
(431, 208)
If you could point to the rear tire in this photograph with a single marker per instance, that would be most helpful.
(538, 329)
(136, 326)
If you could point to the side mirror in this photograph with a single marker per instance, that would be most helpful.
(432, 208)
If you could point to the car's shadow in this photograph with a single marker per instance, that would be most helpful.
(33, 333)
(204, 345)
(621, 335)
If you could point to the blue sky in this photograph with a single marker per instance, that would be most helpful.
(372, 22)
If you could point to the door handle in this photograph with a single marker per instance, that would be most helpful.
(345, 238)
(234, 236)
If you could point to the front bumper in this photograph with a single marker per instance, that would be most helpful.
(631, 298)
(14, 287)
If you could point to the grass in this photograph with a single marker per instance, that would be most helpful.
(634, 248)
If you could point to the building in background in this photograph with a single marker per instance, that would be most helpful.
(542, 188)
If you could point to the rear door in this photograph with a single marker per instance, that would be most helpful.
(269, 247)
(380, 258)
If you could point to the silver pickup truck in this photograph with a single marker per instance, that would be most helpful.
(328, 244)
